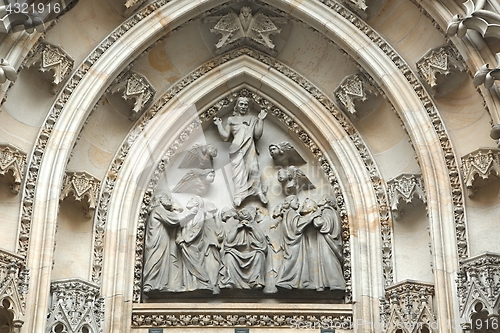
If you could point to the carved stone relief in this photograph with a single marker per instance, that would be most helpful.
(131, 5)
(355, 94)
(47, 57)
(7, 72)
(481, 164)
(75, 307)
(136, 87)
(284, 154)
(245, 27)
(478, 279)
(294, 180)
(199, 156)
(14, 278)
(12, 162)
(409, 305)
(364, 8)
(441, 70)
(83, 187)
(484, 22)
(403, 189)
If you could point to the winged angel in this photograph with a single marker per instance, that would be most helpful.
(294, 180)
(199, 156)
(258, 28)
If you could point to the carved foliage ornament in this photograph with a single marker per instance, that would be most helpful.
(353, 91)
(135, 87)
(14, 279)
(47, 57)
(83, 187)
(403, 189)
(438, 62)
(75, 306)
(12, 160)
(482, 163)
(408, 304)
(235, 29)
(485, 22)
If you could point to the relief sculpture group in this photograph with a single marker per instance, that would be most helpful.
(241, 246)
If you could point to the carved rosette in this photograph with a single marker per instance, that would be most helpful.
(353, 92)
(439, 62)
(13, 160)
(408, 304)
(14, 279)
(76, 304)
(478, 280)
(47, 57)
(482, 163)
(84, 188)
(136, 87)
(403, 190)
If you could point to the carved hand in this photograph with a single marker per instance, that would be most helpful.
(262, 114)
(217, 121)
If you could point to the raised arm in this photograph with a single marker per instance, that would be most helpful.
(223, 131)
(259, 127)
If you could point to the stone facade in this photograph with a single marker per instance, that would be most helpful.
(211, 166)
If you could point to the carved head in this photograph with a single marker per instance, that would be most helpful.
(228, 213)
(248, 214)
(245, 11)
(212, 151)
(282, 175)
(207, 176)
(195, 202)
(309, 206)
(274, 150)
(328, 200)
(241, 107)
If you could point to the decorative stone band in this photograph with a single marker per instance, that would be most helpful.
(478, 283)
(409, 304)
(486, 23)
(441, 70)
(353, 91)
(135, 87)
(403, 190)
(76, 305)
(230, 315)
(13, 288)
(82, 186)
(47, 57)
(13, 160)
(482, 163)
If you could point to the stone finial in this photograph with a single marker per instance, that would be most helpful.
(355, 92)
(477, 282)
(486, 23)
(83, 187)
(482, 163)
(403, 190)
(12, 160)
(235, 29)
(441, 70)
(409, 304)
(47, 57)
(76, 304)
(14, 279)
(136, 87)
(7, 72)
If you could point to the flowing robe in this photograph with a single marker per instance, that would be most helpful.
(244, 257)
(161, 257)
(243, 155)
(295, 272)
(327, 255)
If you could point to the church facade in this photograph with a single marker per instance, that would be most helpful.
(249, 166)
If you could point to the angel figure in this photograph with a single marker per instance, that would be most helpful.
(285, 155)
(199, 156)
(196, 181)
(294, 180)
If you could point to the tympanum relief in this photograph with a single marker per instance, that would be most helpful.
(251, 215)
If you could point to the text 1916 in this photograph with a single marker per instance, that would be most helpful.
(24, 8)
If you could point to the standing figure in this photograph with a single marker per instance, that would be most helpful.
(196, 243)
(246, 130)
(161, 265)
(244, 252)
